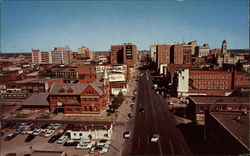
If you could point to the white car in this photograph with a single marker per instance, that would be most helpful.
(62, 139)
(102, 142)
(83, 145)
(31, 131)
(49, 133)
(155, 138)
(56, 126)
(126, 134)
(37, 131)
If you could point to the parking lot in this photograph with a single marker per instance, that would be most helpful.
(19, 143)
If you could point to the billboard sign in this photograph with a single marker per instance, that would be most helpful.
(116, 77)
(118, 69)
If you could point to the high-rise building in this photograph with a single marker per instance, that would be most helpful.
(61, 55)
(124, 54)
(162, 54)
(40, 57)
(187, 53)
(176, 54)
(153, 52)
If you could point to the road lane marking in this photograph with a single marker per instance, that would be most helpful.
(170, 143)
(139, 142)
(160, 146)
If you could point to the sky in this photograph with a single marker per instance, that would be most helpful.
(100, 24)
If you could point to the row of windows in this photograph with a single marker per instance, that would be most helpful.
(90, 99)
(63, 97)
(210, 82)
(209, 87)
(209, 77)
(85, 108)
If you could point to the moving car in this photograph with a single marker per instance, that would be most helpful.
(155, 138)
(126, 134)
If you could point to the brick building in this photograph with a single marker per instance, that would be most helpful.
(203, 82)
(87, 73)
(228, 132)
(187, 53)
(32, 85)
(176, 54)
(241, 80)
(88, 98)
(198, 105)
(162, 55)
(124, 54)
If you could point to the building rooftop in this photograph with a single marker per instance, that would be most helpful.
(236, 123)
(35, 80)
(36, 99)
(76, 88)
(219, 100)
(91, 127)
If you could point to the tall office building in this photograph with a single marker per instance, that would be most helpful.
(40, 57)
(124, 54)
(162, 54)
(61, 55)
(176, 54)
(193, 44)
(187, 53)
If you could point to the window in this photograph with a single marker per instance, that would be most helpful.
(85, 108)
(77, 109)
(90, 108)
(74, 134)
(80, 134)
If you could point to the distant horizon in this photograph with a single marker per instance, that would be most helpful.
(97, 24)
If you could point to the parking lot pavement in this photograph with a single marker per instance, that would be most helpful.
(17, 145)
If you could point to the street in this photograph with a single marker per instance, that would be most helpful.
(155, 120)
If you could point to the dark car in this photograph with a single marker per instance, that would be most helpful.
(10, 136)
(130, 115)
(54, 138)
(70, 143)
(30, 137)
(141, 110)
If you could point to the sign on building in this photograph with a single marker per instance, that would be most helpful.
(129, 51)
(116, 77)
(118, 69)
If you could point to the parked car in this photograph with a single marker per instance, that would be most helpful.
(62, 139)
(126, 134)
(70, 143)
(30, 137)
(10, 136)
(49, 133)
(155, 138)
(97, 149)
(102, 142)
(54, 138)
(31, 131)
(56, 126)
(84, 145)
(37, 131)
(43, 132)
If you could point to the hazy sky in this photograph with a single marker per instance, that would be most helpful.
(99, 24)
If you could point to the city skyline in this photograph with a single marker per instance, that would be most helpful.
(98, 25)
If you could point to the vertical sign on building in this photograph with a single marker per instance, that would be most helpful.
(129, 51)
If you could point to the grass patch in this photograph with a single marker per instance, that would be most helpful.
(92, 118)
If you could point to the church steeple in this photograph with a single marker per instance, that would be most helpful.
(224, 47)
(105, 77)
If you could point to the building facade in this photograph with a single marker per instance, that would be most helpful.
(124, 54)
(162, 55)
(176, 52)
(187, 54)
(202, 51)
(89, 98)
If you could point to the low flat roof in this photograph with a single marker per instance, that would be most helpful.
(219, 100)
(37, 100)
(90, 127)
(238, 128)
(35, 80)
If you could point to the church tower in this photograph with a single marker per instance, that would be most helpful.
(224, 47)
